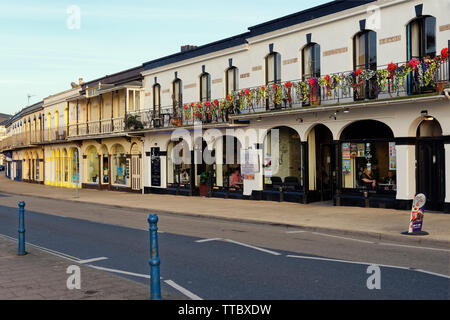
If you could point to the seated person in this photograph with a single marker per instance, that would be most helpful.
(184, 176)
(390, 179)
(235, 179)
(368, 179)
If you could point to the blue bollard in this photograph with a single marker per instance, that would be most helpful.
(154, 262)
(21, 251)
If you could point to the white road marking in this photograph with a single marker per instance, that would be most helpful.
(346, 261)
(345, 238)
(253, 247)
(184, 291)
(121, 272)
(53, 252)
(208, 240)
(92, 260)
(413, 247)
(296, 231)
(433, 273)
(370, 264)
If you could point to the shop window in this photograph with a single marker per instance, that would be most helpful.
(179, 165)
(283, 158)
(93, 165)
(120, 166)
(368, 157)
(74, 166)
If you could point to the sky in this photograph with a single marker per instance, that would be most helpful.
(44, 46)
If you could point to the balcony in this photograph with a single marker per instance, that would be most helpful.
(54, 135)
(97, 127)
(393, 81)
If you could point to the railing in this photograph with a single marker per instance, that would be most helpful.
(386, 82)
(17, 140)
(51, 135)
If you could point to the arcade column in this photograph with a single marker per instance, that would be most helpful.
(406, 175)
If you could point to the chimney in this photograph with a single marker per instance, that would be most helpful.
(80, 81)
(187, 48)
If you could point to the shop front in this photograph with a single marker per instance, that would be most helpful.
(368, 165)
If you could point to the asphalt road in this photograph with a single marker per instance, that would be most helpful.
(213, 259)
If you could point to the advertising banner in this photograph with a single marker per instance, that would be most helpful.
(417, 213)
(392, 157)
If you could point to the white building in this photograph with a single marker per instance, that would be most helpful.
(338, 131)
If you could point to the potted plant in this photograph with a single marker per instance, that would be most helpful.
(204, 187)
(133, 123)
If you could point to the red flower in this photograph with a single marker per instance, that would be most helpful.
(275, 87)
(392, 67)
(247, 92)
(216, 102)
(288, 84)
(185, 107)
(444, 53)
(413, 63)
(199, 105)
(192, 104)
(327, 78)
(262, 88)
(228, 97)
(208, 104)
(358, 72)
(312, 81)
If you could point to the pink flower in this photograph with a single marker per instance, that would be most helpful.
(247, 92)
(413, 63)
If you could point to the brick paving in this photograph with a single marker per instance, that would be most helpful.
(42, 276)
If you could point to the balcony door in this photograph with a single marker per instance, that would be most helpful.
(421, 44)
(365, 58)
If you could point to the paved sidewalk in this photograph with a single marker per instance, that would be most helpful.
(383, 224)
(42, 276)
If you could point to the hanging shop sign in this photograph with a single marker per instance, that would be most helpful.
(392, 157)
(417, 213)
(353, 150)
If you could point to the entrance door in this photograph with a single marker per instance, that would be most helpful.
(431, 172)
(326, 174)
(135, 172)
(18, 170)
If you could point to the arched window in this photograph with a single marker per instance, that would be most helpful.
(311, 61)
(365, 58)
(232, 80)
(205, 87)
(421, 38)
(177, 97)
(273, 68)
(157, 101)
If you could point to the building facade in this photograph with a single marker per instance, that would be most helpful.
(345, 102)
